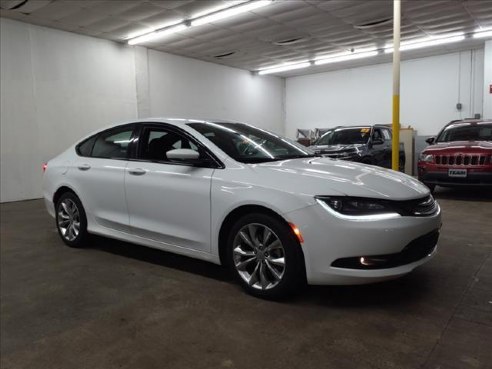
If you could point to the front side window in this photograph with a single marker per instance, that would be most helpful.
(387, 134)
(248, 144)
(377, 135)
(113, 144)
(156, 142)
(466, 132)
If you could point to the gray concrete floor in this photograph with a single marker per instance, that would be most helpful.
(116, 305)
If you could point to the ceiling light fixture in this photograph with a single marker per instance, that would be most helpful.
(284, 67)
(229, 12)
(227, 4)
(238, 7)
(336, 58)
(482, 32)
(157, 34)
(427, 42)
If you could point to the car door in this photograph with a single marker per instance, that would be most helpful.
(98, 176)
(169, 201)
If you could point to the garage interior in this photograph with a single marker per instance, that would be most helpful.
(294, 67)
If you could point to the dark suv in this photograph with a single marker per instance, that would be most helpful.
(364, 144)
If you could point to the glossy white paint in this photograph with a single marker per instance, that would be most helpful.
(182, 208)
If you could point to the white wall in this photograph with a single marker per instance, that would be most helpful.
(58, 86)
(487, 80)
(55, 87)
(185, 87)
(430, 89)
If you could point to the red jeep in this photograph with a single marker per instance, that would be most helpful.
(460, 155)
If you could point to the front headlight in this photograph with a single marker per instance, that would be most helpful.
(357, 208)
(426, 158)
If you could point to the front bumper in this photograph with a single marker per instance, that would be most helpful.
(328, 239)
(440, 177)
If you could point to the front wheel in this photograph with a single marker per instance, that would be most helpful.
(71, 220)
(265, 256)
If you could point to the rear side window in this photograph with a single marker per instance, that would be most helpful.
(85, 148)
(387, 134)
(113, 143)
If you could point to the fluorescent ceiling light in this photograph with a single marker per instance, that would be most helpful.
(482, 32)
(427, 42)
(157, 34)
(284, 67)
(336, 58)
(227, 4)
(234, 7)
(229, 12)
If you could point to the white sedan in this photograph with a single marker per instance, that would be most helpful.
(241, 196)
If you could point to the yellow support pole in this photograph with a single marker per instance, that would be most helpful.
(395, 146)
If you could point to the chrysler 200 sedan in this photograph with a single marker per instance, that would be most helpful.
(244, 197)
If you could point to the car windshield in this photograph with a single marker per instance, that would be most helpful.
(466, 132)
(345, 136)
(248, 144)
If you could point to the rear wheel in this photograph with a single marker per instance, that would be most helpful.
(71, 220)
(265, 256)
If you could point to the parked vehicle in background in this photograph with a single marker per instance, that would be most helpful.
(461, 154)
(364, 144)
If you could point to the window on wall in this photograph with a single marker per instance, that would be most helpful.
(113, 144)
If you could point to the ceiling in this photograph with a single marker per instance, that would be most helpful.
(324, 27)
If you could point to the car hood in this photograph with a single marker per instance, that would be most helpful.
(324, 176)
(335, 147)
(457, 145)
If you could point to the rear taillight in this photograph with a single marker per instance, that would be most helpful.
(45, 166)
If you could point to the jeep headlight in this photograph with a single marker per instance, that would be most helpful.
(427, 158)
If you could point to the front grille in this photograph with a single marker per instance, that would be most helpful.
(421, 207)
(463, 159)
(416, 250)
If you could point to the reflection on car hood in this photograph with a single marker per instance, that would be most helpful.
(323, 176)
(335, 148)
(456, 145)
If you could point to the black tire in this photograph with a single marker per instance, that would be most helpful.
(293, 277)
(79, 240)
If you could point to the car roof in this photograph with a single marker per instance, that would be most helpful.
(179, 121)
(364, 126)
(469, 121)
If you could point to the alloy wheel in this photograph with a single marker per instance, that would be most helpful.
(259, 256)
(68, 219)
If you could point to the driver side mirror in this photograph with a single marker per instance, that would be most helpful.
(183, 155)
(377, 141)
(430, 140)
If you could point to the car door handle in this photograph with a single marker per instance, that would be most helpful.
(84, 167)
(137, 171)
